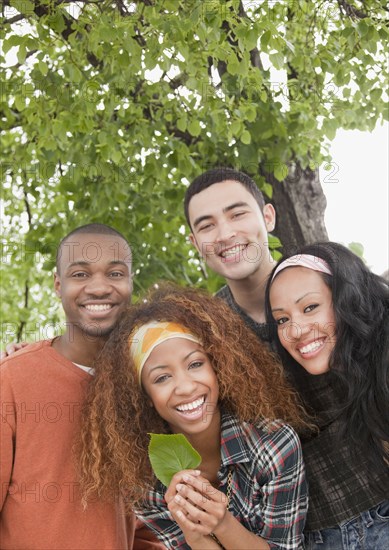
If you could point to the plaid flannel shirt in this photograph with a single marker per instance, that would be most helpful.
(339, 485)
(269, 493)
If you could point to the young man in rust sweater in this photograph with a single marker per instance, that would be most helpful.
(42, 392)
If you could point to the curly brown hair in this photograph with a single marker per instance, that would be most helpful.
(117, 417)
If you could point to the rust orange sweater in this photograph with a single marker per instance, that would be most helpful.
(41, 398)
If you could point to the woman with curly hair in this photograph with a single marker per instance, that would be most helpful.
(176, 364)
(329, 317)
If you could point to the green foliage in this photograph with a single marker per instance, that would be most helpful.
(109, 109)
(357, 248)
(171, 453)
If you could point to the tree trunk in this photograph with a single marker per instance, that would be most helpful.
(300, 204)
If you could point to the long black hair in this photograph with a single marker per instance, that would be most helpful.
(359, 363)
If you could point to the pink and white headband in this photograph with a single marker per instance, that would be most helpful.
(304, 260)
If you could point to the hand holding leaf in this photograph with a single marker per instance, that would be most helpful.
(171, 453)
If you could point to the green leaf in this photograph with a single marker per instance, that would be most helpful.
(252, 39)
(290, 46)
(171, 453)
(362, 27)
(194, 128)
(276, 255)
(43, 68)
(280, 171)
(251, 113)
(357, 248)
(181, 123)
(233, 64)
(245, 137)
(57, 22)
(11, 42)
(22, 52)
(265, 39)
(236, 127)
(20, 102)
(375, 94)
(116, 156)
(274, 242)
(329, 128)
(26, 7)
(267, 188)
(277, 59)
(74, 73)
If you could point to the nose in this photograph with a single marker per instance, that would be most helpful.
(225, 231)
(98, 285)
(185, 385)
(295, 330)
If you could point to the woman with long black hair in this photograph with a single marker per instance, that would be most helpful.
(329, 319)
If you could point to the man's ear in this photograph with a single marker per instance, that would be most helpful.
(57, 284)
(269, 215)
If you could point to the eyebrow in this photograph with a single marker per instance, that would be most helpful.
(298, 299)
(184, 359)
(83, 263)
(225, 210)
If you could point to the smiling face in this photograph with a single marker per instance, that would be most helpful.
(182, 386)
(301, 305)
(94, 284)
(230, 231)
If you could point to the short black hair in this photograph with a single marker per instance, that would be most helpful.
(92, 229)
(218, 175)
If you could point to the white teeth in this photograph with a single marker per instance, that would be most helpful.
(191, 406)
(232, 251)
(98, 307)
(310, 347)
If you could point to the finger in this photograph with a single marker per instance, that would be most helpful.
(11, 348)
(188, 525)
(178, 513)
(207, 513)
(179, 478)
(20, 345)
(215, 506)
(197, 510)
(202, 486)
(178, 504)
(174, 507)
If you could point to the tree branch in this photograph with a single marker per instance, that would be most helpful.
(350, 11)
(26, 286)
(12, 20)
(255, 55)
(19, 335)
(28, 209)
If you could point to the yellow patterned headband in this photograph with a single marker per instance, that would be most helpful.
(144, 339)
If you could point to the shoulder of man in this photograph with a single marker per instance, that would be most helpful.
(22, 354)
(224, 293)
(261, 330)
